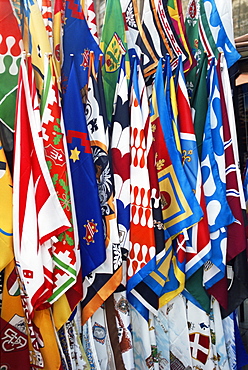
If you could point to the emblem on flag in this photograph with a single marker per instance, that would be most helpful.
(90, 231)
(193, 12)
(55, 154)
(113, 53)
(99, 333)
(86, 58)
(199, 346)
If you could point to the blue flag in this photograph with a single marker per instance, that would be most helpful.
(87, 205)
(77, 40)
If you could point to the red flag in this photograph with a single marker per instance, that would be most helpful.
(38, 215)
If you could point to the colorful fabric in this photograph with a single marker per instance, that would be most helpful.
(10, 53)
(38, 215)
(76, 25)
(113, 45)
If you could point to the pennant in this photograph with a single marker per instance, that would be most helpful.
(10, 53)
(76, 25)
(113, 45)
(38, 215)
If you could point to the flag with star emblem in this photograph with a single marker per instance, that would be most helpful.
(88, 211)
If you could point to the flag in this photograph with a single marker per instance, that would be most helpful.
(216, 15)
(14, 351)
(198, 246)
(179, 342)
(141, 340)
(173, 9)
(214, 183)
(46, 11)
(58, 23)
(10, 53)
(38, 215)
(6, 216)
(91, 18)
(39, 44)
(88, 213)
(80, 46)
(100, 282)
(190, 211)
(113, 45)
(142, 250)
(65, 251)
(200, 337)
(99, 141)
(120, 152)
(199, 36)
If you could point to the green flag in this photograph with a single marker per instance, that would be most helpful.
(199, 36)
(113, 44)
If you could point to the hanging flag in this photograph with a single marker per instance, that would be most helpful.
(6, 216)
(225, 42)
(200, 337)
(214, 184)
(38, 215)
(91, 18)
(190, 211)
(58, 23)
(80, 46)
(89, 220)
(46, 11)
(142, 242)
(11, 48)
(39, 44)
(173, 9)
(179, 342)
(64, 252)
(14, 351)
(198, 246)
(113, 45)
(199, 36)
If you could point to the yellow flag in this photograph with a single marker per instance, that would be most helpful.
(6, 225)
